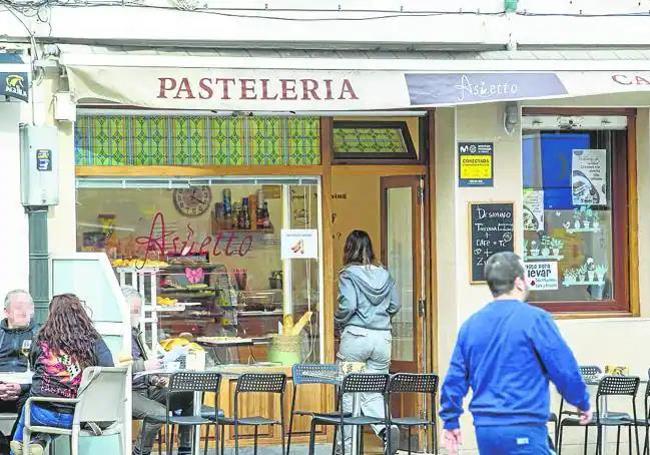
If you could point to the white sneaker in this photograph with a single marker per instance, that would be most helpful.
(34, 448)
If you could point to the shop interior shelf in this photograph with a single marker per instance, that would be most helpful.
(189, 291)
(270, 230)
(180, 268)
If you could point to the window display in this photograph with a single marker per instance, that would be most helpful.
(572, 215)
(211, 248)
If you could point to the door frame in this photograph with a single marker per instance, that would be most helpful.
(418, 210)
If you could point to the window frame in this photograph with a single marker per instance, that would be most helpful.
(412, 156)
(623, 219)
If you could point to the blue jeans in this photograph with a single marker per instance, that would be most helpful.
(43, 417)
(513, 440)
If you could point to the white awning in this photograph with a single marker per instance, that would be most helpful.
(300, 80)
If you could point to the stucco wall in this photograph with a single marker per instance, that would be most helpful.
(14, 266)
(594, 341)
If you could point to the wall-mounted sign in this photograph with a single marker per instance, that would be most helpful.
(14, 85)
(491, 230)
(299, 243)
(475, 164)
(542, 276)
(43, 160)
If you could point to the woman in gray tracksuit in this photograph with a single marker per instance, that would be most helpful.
(367, 301)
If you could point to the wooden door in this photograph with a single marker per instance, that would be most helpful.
(403, 234)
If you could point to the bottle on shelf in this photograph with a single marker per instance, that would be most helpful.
(259, 221)
(227, 202)
(266, 217)
(246, 217)
(236, 216)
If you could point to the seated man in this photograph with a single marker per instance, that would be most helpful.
(149, 392)
(17, 328)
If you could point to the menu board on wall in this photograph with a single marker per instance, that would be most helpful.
(491, 231)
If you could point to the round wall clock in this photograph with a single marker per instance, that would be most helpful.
(193, 201)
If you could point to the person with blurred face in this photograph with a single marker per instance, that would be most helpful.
(17, 330)
(149, 393)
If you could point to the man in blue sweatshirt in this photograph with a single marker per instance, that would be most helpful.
(507, 353)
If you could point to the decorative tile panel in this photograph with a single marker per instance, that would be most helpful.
(109, 140)
(369, 140)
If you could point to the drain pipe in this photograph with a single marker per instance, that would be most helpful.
(38, 261)
(39, 189)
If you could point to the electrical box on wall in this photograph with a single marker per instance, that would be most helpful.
(39, 165)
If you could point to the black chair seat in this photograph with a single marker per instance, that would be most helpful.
(359, 420)
(207, 412)
(322, 414)
(256, 420)
(409, 421)
(178, 420)
(621, 420)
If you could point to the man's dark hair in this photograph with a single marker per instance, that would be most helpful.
(501, 270)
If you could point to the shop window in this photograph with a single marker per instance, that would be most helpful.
(575, 213)
(373, 140)
(217, 244)
(120, 140)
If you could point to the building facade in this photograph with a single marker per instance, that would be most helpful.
(454, 136)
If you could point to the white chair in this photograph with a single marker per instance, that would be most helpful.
(99, 401)
(7, 420)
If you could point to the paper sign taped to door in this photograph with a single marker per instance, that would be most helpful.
(299, 243)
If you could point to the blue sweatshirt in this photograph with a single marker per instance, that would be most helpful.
(507, 352)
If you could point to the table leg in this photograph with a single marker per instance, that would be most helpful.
(196, 435)
(356, 411)
(603, 439)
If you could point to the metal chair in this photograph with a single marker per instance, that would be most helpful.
(99, 385)
(422, 384)
(211, 413)
(354, 383)
(589, 373)
(183, 382)
(315, 373)
(646, 419)
(273, 383)
(607, 387)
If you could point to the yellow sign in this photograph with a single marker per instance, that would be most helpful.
(476, 167)
(475, 164)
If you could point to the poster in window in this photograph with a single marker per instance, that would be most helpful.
(299, 244)
(533, 210)
(542, 276)
(589, 177)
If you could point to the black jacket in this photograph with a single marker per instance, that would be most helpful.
(11, 341)
(139, 355)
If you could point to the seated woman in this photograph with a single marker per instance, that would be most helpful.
(65, 345)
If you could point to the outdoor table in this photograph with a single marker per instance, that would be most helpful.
(337, 379)
(23, 377)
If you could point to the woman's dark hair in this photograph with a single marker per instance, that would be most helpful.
(358, 249)
(68, 329)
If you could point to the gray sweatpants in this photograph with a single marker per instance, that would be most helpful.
(373, 347)
(152, 402)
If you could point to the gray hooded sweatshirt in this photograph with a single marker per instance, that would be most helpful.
(367, 298)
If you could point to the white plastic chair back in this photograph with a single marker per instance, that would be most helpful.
(101, 392)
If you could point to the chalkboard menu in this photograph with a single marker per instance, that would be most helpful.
(491, 231)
